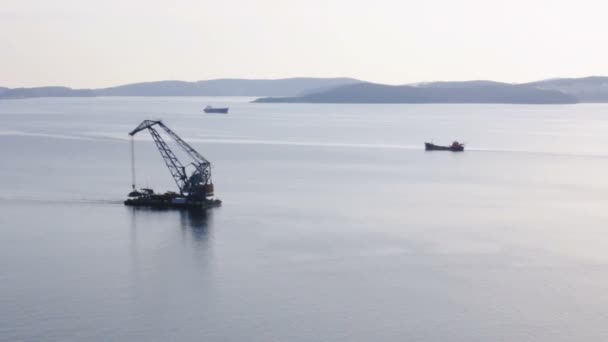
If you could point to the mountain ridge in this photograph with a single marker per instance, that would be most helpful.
(226, 87)
(556, 90)
(586, 89)
(216, 87)
(438, 92)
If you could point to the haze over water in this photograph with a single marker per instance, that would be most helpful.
(336, 224)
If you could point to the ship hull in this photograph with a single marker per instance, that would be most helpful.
(433, 147)
(216, 110)
(160, 203)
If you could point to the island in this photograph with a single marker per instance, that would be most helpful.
(436, 92)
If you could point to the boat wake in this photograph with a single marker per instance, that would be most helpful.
(305, 143)
(46, 200)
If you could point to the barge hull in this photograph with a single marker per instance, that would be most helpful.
(150, 203)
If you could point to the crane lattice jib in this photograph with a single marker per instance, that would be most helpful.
(184, 145)
(202, 174)
(175, 167)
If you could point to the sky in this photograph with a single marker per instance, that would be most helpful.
(100, 43)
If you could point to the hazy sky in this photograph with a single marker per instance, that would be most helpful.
(97, 43)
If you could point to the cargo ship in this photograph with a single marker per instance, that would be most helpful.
(211, 110)
(455, 147)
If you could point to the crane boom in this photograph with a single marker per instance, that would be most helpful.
(198, 184)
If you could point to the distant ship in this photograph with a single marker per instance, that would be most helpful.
(455, 147)
(211, 110)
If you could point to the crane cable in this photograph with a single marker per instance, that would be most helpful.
(133, 162)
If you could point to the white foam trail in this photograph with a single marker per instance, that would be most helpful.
(305, 143)
(44, 135)
(125, 136)
(238, 140)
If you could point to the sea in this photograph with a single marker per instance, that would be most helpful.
(336, 225)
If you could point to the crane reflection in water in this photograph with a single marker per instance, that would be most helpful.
(194, 225)
(170, 251)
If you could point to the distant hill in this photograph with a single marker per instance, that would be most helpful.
(436, 92)
(20, 93)
(220, 87)
(587, 89)
(226, 87)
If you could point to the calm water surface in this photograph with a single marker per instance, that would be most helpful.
(336, 225)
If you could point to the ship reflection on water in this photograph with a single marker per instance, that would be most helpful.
(196, 223)
(192, 225)
(170, 252)
(196, 220)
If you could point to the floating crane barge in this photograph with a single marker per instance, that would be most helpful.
(195, 189)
